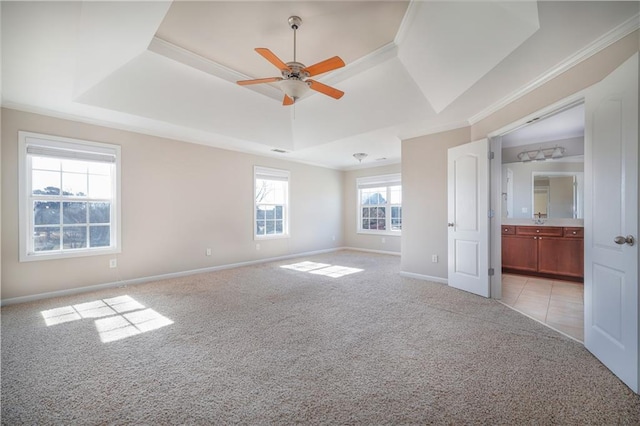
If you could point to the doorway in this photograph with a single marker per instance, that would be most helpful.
(542, 166)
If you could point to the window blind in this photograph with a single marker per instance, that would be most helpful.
(378, 181)
(271, 174)
(69, 150)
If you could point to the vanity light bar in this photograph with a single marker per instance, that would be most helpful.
(542, 154)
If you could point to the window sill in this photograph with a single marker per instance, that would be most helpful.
(388, 233)
(34, 257)
(270, 237)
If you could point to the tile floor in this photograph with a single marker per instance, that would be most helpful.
(559, 304)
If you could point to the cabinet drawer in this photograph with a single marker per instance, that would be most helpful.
(549, 231)
(508, 230)
(574, 232)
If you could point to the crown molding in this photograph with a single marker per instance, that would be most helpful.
(407, 21)
(612, 36)
(378, 56)
(434, 129)
(193, 60)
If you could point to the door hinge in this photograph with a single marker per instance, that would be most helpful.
(491, 155)
(492, 213)
(492, 272)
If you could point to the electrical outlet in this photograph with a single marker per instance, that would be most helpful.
(434, 258)
(525, 210)
(384, 240)
(208, 252)
(257, 246)
(333, 238)
(113, 263)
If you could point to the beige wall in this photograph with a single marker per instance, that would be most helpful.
(387, 243)
(581, 76)
(424, 159)
(424, 201)
(177, 200)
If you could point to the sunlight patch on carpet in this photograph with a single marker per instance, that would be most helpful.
(127, 325)
(333, 271)
(117, 317)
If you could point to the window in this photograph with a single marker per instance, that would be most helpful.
(271, 202)
(380, 204)
(69, 197)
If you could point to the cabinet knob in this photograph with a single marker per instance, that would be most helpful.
(535, 238)
(537, 230)
(506, 230)
(574, 232)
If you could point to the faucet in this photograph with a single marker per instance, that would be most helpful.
(538, 220)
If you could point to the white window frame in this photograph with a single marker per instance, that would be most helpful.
(70, 149)
(268, 173)
(374, 182)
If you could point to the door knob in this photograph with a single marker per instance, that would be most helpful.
(450, 224)
(625, 240)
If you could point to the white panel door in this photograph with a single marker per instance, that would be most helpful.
(611, 214)
(468, 207)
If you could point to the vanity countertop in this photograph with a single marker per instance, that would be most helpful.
(547, 222)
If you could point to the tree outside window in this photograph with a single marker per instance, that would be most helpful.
(380, 204)
(68, 197)
(271, 202)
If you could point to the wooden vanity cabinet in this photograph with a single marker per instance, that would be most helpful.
(544, 250)
(561, 256)
(518, 252)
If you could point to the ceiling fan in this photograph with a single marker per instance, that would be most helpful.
(295, 80)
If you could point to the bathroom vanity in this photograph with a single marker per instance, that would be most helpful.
(546, 251)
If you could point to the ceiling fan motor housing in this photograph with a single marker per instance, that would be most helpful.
(297, 71)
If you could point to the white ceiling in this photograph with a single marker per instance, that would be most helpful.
(563, 128)
(169, 69)
(565, 124)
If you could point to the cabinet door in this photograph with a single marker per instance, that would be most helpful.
(561, 256)
(520, 253)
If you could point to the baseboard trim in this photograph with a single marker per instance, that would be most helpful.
(392, 253)
(141, 280)
(424, 277)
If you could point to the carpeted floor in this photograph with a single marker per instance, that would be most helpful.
(270, 345)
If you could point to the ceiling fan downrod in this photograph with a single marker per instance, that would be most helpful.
(294, 23)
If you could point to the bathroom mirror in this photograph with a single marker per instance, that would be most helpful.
(543, 190)
(557, 195)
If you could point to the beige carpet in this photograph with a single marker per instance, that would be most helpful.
(269, 345)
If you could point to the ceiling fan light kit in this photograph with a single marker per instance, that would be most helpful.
(294, 88)
(295, 81)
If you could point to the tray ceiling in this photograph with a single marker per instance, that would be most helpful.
(170, 68)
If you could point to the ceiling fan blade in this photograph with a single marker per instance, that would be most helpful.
(327, 90)
(259, 80)
(271, 57)
(287, 100)
(324, 66)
